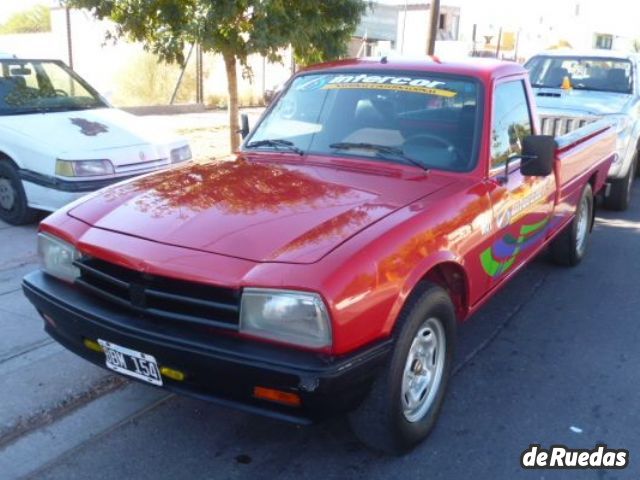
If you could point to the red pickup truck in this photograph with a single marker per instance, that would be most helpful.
(324, 267)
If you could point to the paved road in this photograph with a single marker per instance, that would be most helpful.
(553, 359)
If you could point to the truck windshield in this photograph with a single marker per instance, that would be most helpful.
(38, 86)
(424, 120)
(582, 73)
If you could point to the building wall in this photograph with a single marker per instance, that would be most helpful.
(414, 26)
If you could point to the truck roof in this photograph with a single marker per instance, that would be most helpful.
(589, 53)
(483, 68)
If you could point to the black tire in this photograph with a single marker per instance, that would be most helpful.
(380, 422)
(13, 201)
(566, 249)
(619, 196)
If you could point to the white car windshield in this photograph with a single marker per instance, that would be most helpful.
(581, 73)
(36, 86)
(416, 118)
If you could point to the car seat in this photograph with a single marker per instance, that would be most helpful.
(555, 77)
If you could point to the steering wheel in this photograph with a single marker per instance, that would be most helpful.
(60, 93)
(426, 138)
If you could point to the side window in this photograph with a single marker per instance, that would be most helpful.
(511, 121)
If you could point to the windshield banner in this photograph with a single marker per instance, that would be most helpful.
(378, 82)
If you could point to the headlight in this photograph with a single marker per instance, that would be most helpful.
(622, 124)
(181, 154)
(84, 168)
(57, 257)
(298, 318)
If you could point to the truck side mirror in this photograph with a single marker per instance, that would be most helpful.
(538, 153)
(244, 125)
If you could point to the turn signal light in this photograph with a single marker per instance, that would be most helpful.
(92, 345)
(172, 374)
(278, 396)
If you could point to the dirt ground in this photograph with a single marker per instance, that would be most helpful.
(207, 132)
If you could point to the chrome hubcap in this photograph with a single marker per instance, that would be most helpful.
(582, 226)
(7, 194)
(423, 370)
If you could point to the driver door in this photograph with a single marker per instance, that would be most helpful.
(522, 206)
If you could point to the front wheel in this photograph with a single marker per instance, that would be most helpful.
(619, 196)
(404, 402)
(13, 201)
(570, 246)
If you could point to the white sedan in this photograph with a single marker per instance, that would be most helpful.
(59, 139)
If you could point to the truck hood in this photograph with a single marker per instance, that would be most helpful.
(263, 211)
(583, 101)
(85, 133)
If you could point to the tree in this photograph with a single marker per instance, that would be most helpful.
(317, 30)
(33, 20)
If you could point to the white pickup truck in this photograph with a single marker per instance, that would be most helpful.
(573, 88)
(59, 139)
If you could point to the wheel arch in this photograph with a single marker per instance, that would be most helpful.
(7, 156)
(444, 270)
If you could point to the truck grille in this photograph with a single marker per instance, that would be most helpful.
(558, 126)
(163, 300)
(141, 167)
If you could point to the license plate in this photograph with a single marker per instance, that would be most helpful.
(132, 363)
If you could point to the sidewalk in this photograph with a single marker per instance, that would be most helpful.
(38, 376)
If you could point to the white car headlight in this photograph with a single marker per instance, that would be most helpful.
(181, 154)
(622, 125)
(298, 318)
(84, 168)
(57, 257)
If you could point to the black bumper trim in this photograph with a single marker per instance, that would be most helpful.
(221, 368)
(56, 183)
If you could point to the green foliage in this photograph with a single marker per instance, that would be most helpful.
(317, 30)
(33, 20)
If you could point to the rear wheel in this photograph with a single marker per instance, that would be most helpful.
(619, 197)
(403, 405)
(13, 201)
(570, 246)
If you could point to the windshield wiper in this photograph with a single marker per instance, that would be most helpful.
(378, 148)
(277, 143)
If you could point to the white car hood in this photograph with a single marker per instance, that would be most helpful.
(97, 133)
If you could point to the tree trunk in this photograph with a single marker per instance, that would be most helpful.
(232, 81)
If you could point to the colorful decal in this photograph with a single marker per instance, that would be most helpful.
(91, 129)
(378, 82)
(526, 196)
(498, 258)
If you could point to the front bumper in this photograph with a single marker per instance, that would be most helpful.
(51, 193)
(221, 369)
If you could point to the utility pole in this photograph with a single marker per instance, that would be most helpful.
(404, 26)
(67, 13)
(433, 29)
